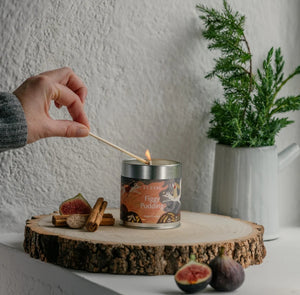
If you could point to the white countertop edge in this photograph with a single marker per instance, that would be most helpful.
(279, 274)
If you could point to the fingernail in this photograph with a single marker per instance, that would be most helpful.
(82, 131)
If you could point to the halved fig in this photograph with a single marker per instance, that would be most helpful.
(193, 276)
(76, 205)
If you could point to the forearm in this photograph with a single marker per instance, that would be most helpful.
(13, 127)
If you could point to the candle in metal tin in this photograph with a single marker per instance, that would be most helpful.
(150, 194)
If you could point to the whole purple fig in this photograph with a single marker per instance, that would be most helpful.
(227, 274)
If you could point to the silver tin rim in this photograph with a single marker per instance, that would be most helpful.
(167, 170)
(151, 225)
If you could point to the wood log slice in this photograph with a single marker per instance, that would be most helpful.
(124, 250)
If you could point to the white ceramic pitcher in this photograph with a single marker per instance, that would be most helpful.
(245, 184)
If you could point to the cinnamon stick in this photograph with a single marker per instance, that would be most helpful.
(95, 210)
(61, 220)
(96, 216)
(63, 217)
(107, 221)
(101, 213)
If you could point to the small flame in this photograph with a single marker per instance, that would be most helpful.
(148, 156)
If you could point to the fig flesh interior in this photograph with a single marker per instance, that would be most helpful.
(193, 273)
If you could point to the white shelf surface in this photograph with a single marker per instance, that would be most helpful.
(279, 274)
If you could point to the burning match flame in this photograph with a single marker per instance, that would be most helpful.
(148, 156)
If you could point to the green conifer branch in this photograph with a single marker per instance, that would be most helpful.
(247, 116)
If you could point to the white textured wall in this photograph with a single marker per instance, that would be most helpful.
(144, 64)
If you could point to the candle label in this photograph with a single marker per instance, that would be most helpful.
(150, 201)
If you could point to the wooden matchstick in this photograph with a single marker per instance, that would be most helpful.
(120, 149)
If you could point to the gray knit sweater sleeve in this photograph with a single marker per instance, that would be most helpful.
(13, 127)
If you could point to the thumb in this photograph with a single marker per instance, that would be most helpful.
(66, 128)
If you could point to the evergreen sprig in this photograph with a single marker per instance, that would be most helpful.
(247, 114)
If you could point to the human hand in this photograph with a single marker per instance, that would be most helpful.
(65, 88)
